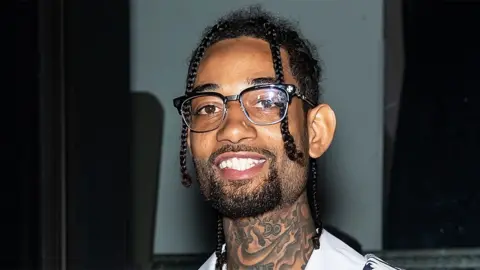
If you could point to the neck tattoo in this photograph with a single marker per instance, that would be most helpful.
(278, 240)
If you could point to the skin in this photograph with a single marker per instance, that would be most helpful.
(279, 238)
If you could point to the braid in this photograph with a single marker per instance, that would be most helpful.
(289, 144)
(221, 256)
(288, 140)
(192, 74)
(186, 179)
(316, 209)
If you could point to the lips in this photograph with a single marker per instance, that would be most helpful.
(240, 165)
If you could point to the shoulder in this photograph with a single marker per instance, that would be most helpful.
(210, 263)
(335, 254)
(375, 263)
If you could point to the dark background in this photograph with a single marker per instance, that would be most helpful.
(72, 134)
(435, 193)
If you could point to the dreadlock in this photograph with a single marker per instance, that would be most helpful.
(254, 22)
(192, 74)
(290, 147)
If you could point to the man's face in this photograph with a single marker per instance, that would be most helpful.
(242, 168)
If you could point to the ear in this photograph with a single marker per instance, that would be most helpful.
(321, 123)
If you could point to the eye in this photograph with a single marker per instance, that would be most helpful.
(208, 109)
(265, 103)
(268, 104)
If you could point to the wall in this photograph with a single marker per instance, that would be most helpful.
(350, 40)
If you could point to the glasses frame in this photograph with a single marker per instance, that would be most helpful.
(290, 90)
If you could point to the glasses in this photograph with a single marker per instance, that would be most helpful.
(262, 105)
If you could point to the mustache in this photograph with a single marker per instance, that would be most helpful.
(241, 148)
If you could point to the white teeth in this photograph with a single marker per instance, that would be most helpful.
(240, 164)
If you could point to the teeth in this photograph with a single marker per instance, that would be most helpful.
(239, 164)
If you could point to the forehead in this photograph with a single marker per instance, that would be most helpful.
(235, 61)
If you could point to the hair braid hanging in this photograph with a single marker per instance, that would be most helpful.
(316, 209)
(221, 255)
(289, 143)
(186, 179)
(288, 140)
(192, 74)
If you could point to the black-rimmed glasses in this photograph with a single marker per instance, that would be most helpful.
(262, 105)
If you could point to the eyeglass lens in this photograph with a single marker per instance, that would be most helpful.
(262, 106)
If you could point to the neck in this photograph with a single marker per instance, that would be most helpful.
(281, 239)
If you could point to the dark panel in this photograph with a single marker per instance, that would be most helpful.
(147, 125)
(20, 185)
(435, 193)
(98, 133)
(51, 137)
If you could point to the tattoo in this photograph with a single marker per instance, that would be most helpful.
(257, 267)
(278, 240)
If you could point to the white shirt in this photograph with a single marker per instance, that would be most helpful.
(332, 255)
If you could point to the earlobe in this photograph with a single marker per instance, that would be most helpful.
(321, 128)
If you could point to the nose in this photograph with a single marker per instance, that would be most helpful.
(236, 127)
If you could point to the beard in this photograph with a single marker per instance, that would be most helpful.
(237, 199)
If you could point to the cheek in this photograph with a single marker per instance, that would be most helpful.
(202, 145)
(270, 135)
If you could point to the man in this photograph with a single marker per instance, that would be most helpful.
(253, 125)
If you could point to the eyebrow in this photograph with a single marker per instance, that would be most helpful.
(213, 87)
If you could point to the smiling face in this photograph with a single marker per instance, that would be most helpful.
(242, 168)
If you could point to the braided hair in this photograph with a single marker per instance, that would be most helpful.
(192, 75)
(254, 22)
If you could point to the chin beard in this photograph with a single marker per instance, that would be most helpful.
(236, 199)
(236, 202)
